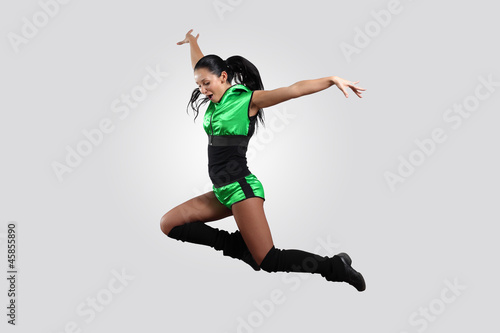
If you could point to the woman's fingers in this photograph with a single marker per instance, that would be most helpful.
(344, 91)
(353, 85)
(342, 84)
(186, 40)
(357, 90)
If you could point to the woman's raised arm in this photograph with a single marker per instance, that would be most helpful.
(266, 98)
(196, 53)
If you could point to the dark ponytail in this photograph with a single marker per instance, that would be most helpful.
(238, 69)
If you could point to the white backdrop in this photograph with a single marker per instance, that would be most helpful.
(97, 146)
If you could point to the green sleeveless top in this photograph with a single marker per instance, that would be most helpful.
(230, 115)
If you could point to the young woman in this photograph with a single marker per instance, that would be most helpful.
(229, 122)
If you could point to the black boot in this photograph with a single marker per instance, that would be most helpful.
(337, 268)
(350, 275)
(231, 244)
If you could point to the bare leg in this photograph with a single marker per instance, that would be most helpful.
(252, 222)
(186, 223)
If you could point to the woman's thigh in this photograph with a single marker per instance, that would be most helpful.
(252, 223)
(204, 208)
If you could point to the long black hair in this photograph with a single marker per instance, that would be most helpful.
(237, 68)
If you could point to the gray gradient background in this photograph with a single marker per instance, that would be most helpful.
(322, 170)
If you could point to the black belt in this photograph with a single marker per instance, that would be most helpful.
(228, 140)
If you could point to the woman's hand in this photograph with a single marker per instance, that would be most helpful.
(189, 38)
(343, 84)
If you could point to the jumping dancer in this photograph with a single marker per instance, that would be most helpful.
(236, 99)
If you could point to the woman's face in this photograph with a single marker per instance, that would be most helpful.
(211, 85)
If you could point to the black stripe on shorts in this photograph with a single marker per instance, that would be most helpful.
(247, 190)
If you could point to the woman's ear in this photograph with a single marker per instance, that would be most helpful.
(223, 77)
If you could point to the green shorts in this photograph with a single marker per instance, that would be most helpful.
(244, 188)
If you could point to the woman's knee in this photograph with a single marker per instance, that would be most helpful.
(270, 261)
(176, 216)
(259, 256)
(167, 222)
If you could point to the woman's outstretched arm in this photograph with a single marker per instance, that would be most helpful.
(196, 53)
(266, 98)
